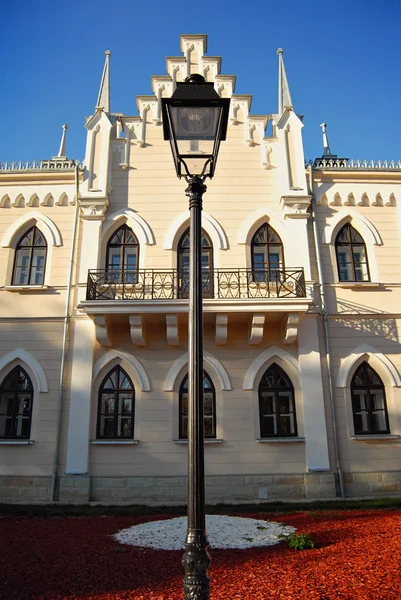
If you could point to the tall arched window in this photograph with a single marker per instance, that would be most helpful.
(209, 404)
(352, 261)
(276, 404)
(267, 254)
(123, 255)
(207, 265)
(368, 402)
(30, 259)
(116, 406)
(16, 399)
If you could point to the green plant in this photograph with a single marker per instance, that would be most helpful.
(300, 541)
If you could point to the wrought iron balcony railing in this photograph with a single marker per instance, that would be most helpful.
(227, 284)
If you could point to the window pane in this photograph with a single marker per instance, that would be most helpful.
(125, 404)
(268, 427)
(37, 267)
(267, 403)
(209, 432)
(124, 429)
(106, 426)
(286, 425)
(360, 264)
(345, 270)
(108, 404)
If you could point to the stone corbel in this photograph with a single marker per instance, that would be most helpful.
(221, 329)
(172, 330)
(137, 330)
(290, 328)
(93, 208)
(266, 151)
(101, 330)
(257, 327)
(296, 207)
(250, 135)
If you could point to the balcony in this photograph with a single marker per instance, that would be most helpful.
(217, 284)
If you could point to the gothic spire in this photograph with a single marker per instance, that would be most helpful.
(326, 146)
(103, 100)
(284, 96)
(61, 152)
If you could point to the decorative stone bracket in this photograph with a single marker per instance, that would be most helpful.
(172, 330)
(137, 330)
(101, 331)
(221, 329)
(256, 329)
(290, 328)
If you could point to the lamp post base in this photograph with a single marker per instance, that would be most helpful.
(196, 561)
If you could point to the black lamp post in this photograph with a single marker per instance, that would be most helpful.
(195, 121)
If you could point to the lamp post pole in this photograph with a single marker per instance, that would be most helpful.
(196, 558)
(195, 122)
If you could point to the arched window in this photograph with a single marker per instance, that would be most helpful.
(16, 399)
(207, 265)
(30, 259)
(276, 404)
(352, 261)
(267, 254)
(116, 406)
(123, 256)
(368, 402)
(209, 404)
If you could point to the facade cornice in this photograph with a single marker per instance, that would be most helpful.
(126, 307)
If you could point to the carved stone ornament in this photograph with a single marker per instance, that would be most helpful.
(93, 208)
(172, 330)
(296, 207)
(221, 329)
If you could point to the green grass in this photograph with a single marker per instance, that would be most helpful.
(70, 510)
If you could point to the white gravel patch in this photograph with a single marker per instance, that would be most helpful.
(222, 532)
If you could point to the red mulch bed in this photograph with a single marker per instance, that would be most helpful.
(358, 557)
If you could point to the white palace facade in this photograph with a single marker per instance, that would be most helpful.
(302, 312)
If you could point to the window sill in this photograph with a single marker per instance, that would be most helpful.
(379, 437)
(281, 440)
(16, 442)
(358, 284)
(26, 288)
(208, 441)
(114, 442)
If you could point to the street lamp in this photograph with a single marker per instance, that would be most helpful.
(195, 122)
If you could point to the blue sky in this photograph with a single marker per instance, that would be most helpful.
(342, 60)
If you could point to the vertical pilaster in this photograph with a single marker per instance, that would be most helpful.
(92, 216)
(80, 396)
(316, 443)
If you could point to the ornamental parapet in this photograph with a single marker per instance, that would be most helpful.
(336, 163)
(53, 164)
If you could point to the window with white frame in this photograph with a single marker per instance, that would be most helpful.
(16, 399)
(209, 408)
(267, 254)
(369, 405)
(352, 260)
(123, 256)
(116, 406)
(30, 259)
(276, 404)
